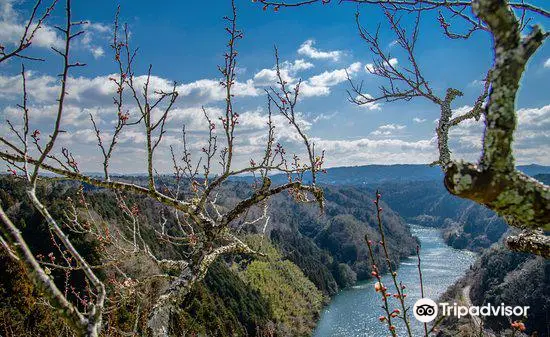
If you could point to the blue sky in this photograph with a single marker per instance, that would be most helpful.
(185, 41)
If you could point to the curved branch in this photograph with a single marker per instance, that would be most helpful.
(266, 192)
(409, 5)
(28, 34)
(41, 280)
(112, 185)
(520, 199)
(494, 182)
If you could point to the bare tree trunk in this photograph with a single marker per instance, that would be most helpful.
(158, 324)
(159, 320)
(494, 182)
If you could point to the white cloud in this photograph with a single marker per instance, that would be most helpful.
(99, 90)
(267, 77)
(80, 137)
(324, 117)
(288, 70)
(462, 110)
(97, 52)
(392, 127)
(94, 33)
(308, 90)
(387, 129)
(45, 37)
(318, 85)
(334, 77)
(380, 133)
(97, 27)
(12, 26)
(380, 151)
(297, 65)
(251, 134)
(308, 50)
(419, 120)
(73, 115)
(6, 10)
(241, 89)
(535, 118)
(347, 146)
(547, 63)
(531, 140)
(40, 88)
(364, 103)
(133, 136)
(192, 117)
(201, 91)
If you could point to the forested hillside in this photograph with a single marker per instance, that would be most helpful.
(464, 224)
(307, 256)
(331, 248)
(502, 276)
(417, 194)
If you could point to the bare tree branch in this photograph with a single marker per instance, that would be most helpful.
(34, 23)
(494, 181)
(189, 216)
(407, 5)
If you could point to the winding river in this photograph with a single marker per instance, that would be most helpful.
(355, 311)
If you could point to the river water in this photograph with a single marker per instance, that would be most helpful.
(355, 311)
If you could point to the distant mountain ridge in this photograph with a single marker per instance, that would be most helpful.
(417, 193)
(363, 174)
(369, 174)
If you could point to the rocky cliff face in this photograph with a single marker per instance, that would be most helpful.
(500, 276)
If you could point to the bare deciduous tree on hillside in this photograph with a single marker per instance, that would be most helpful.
(493, 181)
(200, 230)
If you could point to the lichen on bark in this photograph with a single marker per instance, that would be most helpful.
(495, 182)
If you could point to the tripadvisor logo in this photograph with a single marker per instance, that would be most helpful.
(425, 310)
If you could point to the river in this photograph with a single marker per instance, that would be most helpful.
(355, 311)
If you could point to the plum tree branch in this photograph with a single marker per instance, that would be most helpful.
(494, 182)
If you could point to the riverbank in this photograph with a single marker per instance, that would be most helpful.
(355, 311)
